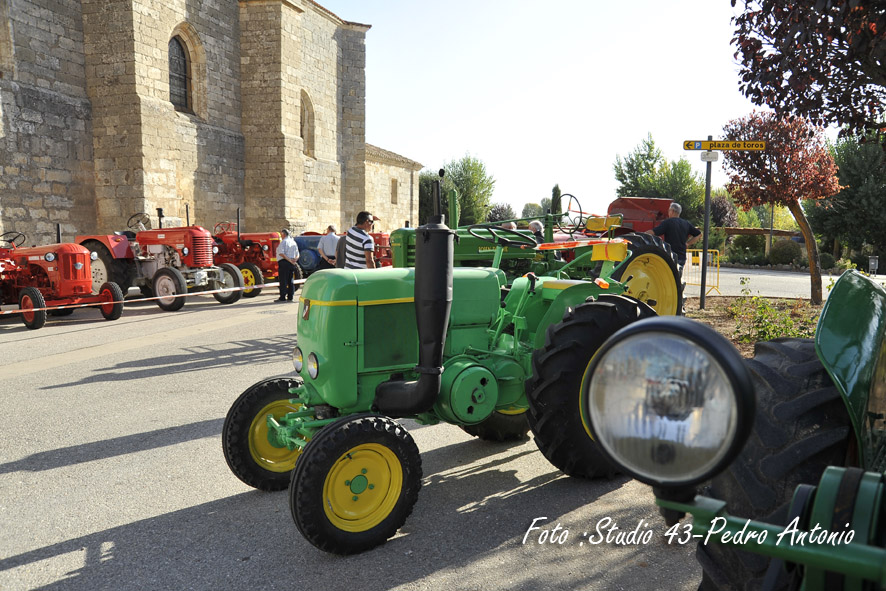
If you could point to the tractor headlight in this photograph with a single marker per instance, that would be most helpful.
(313, 366)
(298, 359)
(214, 250)
(49, 257)
(669, 400)
(93, 256)
(185, 250)
(264, 247)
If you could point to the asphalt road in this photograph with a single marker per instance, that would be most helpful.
(764, 282)
(112, 476)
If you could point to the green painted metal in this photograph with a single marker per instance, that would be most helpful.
(849, 341)
(469, 392)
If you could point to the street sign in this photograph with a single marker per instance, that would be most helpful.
(709, 156)
(723, 145)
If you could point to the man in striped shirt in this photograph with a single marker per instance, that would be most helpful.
(359, 248)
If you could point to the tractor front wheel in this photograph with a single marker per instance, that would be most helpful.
(28, 301)
(168, 283)
(355, 484)
(500, 426)
(250, 456)
(252, 276)
(555, 416)
(233, 278)
(112, 295)
(653, 273)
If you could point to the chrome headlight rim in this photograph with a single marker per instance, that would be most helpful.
(313, 366)
(49, 257)
(298, 359)
(215, 250)
(185, 251)
(93, 256)
(723, 354)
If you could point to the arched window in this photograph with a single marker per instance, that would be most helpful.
(179, 75)
(306, 129)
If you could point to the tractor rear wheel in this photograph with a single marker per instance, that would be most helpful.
(655, 279)
(249, 454)
(29, 299)
(167, 283)
(500, 426)
(252, 276)
(113, 296)
(801, 426)
(355, 484)
(232, 278)
(106, 268)
(555, 416)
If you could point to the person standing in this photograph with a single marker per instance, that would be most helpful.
(287, 258)
(676, 232)
(327, 248)
(360, 248)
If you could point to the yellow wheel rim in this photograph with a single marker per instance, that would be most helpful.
(249, 280)
(652, 280)
(512, 411)
(270, 457)
(363, 487)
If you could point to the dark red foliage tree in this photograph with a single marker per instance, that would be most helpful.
(818, 59)
(796, 165)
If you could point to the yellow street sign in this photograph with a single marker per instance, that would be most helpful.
(723, 145)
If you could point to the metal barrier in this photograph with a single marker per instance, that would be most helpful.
(692, 270)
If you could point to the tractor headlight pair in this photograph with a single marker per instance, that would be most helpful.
(669, 400)
(49, 257)
(313, 363)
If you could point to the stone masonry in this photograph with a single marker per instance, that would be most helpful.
(276, 122)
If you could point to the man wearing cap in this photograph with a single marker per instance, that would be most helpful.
(287, 256)
(360, 248)
(326, 248)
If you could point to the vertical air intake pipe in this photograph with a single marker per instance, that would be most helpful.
(433, 302)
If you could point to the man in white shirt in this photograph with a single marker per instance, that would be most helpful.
(327, 248)
(287, 258)
(360, 248)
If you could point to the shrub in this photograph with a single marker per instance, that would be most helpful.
(827, 260)
(845, 264)
(785, 252)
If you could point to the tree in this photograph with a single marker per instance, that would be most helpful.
(723, 213)
(468, 176)
(532, 210)
(819, 60)
(545, 205)
(636, 168)
(500, 212)
(796, 165)
(556, 204)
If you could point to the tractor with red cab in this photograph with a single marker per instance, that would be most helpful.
(254, 253)
(57, 275)
(165, 263)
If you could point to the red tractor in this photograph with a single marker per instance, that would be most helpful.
(58, 275)
(164, 263)
(254, 253)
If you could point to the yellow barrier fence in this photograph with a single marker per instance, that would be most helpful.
(692, 270)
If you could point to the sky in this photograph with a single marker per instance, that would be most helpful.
(548, 92)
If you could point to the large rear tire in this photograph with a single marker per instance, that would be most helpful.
(655, 278)
(249, 454)
(252, 276)
(108, 269)
(557, 370)
(801, 426)
(355, 484)
(500, 426)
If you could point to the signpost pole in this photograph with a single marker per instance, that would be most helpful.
(707, 221)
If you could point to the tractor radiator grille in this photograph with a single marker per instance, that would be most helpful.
(202, 251)
(68, 265)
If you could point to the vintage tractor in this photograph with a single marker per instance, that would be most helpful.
(254, 253)
(53, 275)
(434, 343)
(164, 263)
(672, 403)
(652, 268)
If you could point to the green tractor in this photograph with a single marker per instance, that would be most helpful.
(567, 252)
(673, 404)
(434, 343)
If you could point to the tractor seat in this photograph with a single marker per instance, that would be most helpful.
(128, 233)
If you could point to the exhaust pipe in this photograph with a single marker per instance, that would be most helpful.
(433, 303)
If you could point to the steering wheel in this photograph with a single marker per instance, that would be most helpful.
(575, 219)
(224, 227)
(496, 237)
(16, 239)
(139, 221)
